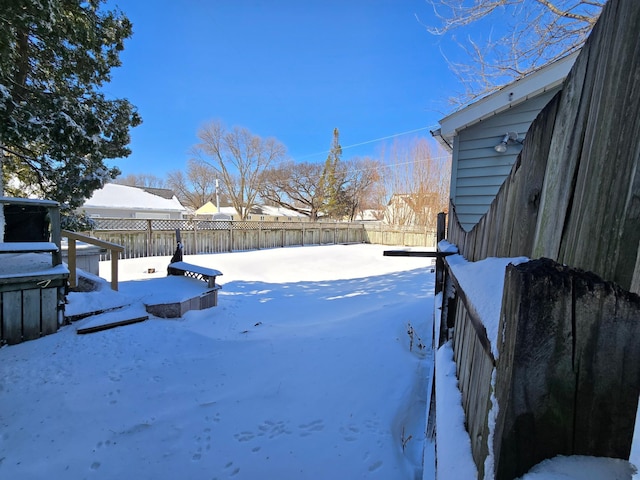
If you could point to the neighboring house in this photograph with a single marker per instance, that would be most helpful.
(259, 213)
(123, 201)
(266, 213)
(206, 209)
(209, 211)
(370, 215)
(486, 137)
(410, 209)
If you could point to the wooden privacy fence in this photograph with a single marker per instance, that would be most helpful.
(474, 365)
(566, 378)
(573, 194)
(565, 375)
(148, 238)
(408, 236)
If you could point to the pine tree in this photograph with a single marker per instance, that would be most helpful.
(332, 181)
(56, 125)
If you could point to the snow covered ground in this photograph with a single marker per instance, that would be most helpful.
(305, 370)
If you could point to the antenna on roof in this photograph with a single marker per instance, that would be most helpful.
(217, 197)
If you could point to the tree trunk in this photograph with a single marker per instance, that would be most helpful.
(1, 194)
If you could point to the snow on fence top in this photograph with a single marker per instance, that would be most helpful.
(483, 283)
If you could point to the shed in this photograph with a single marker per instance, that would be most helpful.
(486, 137)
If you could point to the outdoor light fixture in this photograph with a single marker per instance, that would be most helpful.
(510, 137)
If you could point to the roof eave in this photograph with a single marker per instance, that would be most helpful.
(517, 92)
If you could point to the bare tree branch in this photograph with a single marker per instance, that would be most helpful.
(240, 158)
(416, 185)
(532, 34)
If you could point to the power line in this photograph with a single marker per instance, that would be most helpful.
(382, 166)
(367, 142)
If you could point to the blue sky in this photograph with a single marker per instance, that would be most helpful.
(293, 70)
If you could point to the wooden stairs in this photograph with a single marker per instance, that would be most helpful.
(100, 320)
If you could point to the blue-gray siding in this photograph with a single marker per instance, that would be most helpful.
(478, 170)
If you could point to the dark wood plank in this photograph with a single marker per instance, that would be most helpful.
(571, 340)
(49, 314)
(411, 253)
(31, 311)
(12, 317)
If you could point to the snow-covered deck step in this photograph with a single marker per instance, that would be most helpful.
(28, 247)
(177, 308)
(112, 319)
(94, 313)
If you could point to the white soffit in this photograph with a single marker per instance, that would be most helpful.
(543, 79)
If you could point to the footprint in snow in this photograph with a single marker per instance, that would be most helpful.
(268, 428)
(308, 429)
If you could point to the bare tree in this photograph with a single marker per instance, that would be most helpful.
(195, 187)
(362, 175)
(301, 186)
(416, 182)
(532, 34)
(240, 158)
(295, 186)
(141, 180)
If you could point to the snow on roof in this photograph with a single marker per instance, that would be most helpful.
(28, 201)
(228, 211)
(209, 208)
(161, 192)
(280, 212)
(123, 196)
(369, 215)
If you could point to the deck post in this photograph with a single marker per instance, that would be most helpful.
(71, 258)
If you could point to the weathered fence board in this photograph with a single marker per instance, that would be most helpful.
(474, 369)
(567, 379)
(574, 193)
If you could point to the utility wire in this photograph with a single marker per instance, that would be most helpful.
(366, 142)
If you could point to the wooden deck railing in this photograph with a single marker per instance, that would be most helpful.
(114, 251)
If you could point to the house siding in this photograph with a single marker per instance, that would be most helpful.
(479, 171)
(128, 213)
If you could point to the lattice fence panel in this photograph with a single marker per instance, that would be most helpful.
(120, 224)
(182, 225)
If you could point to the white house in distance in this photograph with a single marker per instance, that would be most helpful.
(409, 209)
(123, 201)
(486, 137)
